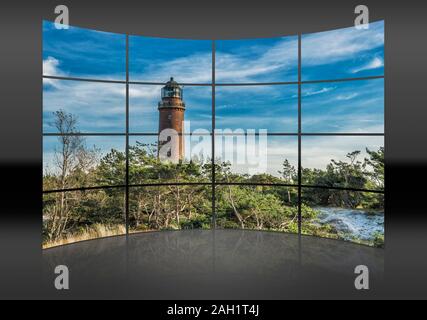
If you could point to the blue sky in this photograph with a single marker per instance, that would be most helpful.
(351, 106)
(273, 107)
(99, 107)
(144, 115)
(343, 53)
(249, 156)
(78, 52)
(354, 106)
(158, 59)
(257, 60)
(102, 143)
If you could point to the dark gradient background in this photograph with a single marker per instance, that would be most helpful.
(406, 111)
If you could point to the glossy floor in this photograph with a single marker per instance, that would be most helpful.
(208, 264)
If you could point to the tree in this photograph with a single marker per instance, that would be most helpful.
(73, 160)
(376, 162)
(289, 174)
(173, 206)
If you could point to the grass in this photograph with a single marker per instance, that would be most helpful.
(102, 230)
(90, 232)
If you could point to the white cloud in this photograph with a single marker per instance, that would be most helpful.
(98, 106)
(315, 92)
(51, 68)
(144, 92)
(357, 122)
(102, 144)
(286, 122)
(317, 49)
(93, 102)
(239, 68)
(317, 152)
(195, 68)
(340, 44)
(101, 106)
(375, 63)
(346, 97)
(252, 155)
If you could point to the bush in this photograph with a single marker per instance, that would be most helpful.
(379, 240)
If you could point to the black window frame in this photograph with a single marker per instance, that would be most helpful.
(127, 185)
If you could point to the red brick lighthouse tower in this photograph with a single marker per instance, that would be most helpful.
(171, 118)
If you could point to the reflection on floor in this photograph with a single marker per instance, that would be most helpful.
(212, 264)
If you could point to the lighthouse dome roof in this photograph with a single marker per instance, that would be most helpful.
(172, 83)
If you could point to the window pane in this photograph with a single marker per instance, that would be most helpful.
(340, 161)
(343, 53)
(77, 161)
(257, 207)
(83, 53)
(257, 60)
(95, 107)
(170, 208)
(352, 107)
(144, 113)
(146, 167)
(158, 59)
(346, 215)
(267, 159)
(81, 215)
(274, 108)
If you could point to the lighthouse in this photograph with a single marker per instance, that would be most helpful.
(171, 122)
